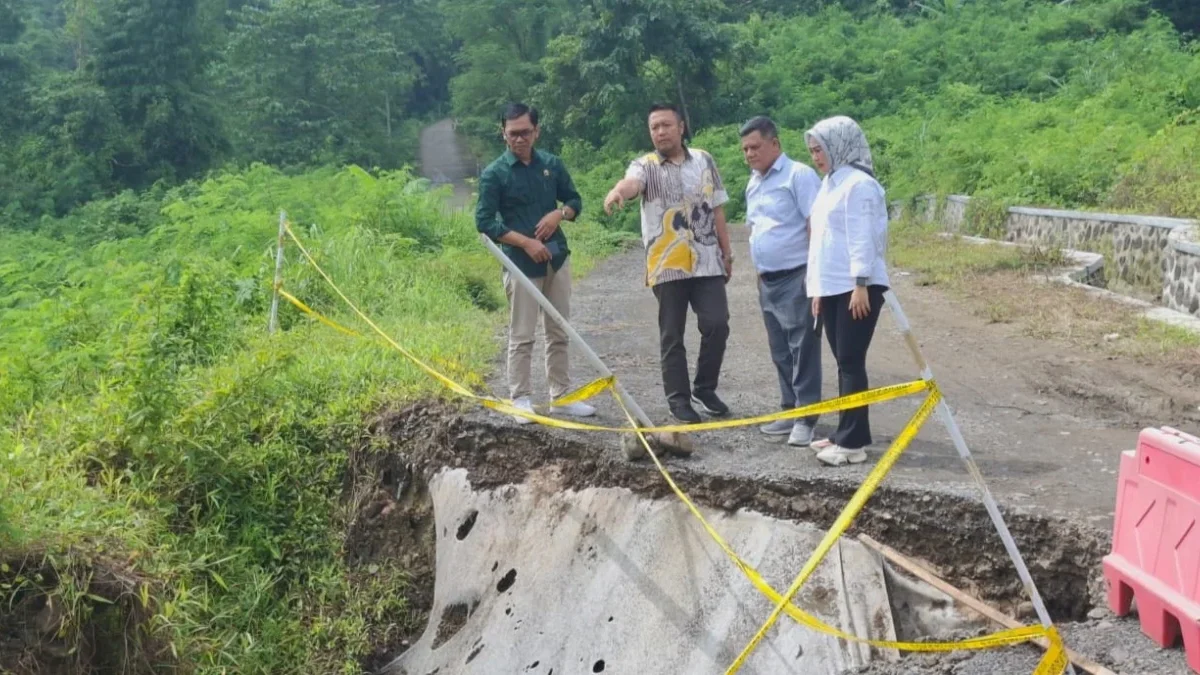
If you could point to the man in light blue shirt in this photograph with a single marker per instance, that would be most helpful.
(779, 199)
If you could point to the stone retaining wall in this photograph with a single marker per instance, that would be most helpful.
(1137, 244)
(954, 212)
(1144, 251)
(1181, 271)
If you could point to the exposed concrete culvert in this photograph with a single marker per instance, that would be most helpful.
(603, 580)
(538, 533)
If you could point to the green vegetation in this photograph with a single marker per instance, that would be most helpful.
(1033, 100)
(912, 243)
(148, 417)
(172, 476)
(1087, 104)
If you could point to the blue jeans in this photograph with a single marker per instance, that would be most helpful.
(795, 342)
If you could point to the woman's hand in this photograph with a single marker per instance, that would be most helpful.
(816, 308)
(860, 303)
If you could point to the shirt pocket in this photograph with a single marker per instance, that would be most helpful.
(518, 192)
(549, 185)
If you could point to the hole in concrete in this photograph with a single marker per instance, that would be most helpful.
(507, 582)
(474, 653)
(454, 617)
(939, 529)
(464, 528)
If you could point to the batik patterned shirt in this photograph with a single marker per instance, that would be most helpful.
(679, 224)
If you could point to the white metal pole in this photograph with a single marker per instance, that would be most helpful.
(273, 324)
(960, 444)
(542, 300)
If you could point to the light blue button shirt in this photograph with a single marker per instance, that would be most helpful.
(778, 205)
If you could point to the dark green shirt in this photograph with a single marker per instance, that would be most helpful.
(521, 195)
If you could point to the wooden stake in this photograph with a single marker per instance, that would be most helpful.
(916, 569)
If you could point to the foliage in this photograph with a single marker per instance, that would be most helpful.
(623, 54)
(1163, 176)
(986, 217)
(146, 412)
(156, 88)
(149, 146)
(318, 81)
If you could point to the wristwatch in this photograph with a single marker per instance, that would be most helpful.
(861, 281)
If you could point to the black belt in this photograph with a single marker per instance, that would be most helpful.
(772, 276)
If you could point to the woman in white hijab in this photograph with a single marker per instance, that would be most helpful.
(847, 274)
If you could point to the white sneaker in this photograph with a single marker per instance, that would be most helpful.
(525, 404)
(836, 455)
(801, 435)
(778, 428)
(577, 409)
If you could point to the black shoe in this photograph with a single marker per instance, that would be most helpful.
(685, 413)
(709, 403)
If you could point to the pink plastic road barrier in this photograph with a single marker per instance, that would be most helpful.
(1156, 539)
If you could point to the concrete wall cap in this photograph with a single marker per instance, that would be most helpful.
(1186, 240)
(1131, 219)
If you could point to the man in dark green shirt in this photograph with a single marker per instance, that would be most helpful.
(519, 196)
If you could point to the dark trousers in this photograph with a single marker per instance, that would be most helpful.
(849, 339)
(707, 297)
(792, 335)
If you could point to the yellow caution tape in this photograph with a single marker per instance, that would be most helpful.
(451, 384)
(585, 392)
(858, 400)
(865, 398)
(999, 639)
(1053, 663)
(316, 315)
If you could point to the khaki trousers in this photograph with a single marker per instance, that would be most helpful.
(522, 324)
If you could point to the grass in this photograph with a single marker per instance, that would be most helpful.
(1005, 284)
(151, 431)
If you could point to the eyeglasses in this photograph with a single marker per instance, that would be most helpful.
(522, 134)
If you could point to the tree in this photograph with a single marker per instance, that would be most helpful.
(316, 81)
(151, 62)
(1185, 14)
(625, 53)
(502, 42)
(419, 31)
(14, 72)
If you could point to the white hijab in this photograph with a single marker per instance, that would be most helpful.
(844, 143)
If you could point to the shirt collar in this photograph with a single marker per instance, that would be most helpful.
(780, 162)
(687, 155)
(513, 160)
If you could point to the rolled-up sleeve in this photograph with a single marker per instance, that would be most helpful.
(567, 194)
(863, 208)
(637, 171)
(488, 206)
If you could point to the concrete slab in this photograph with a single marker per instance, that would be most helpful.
(537, 580)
